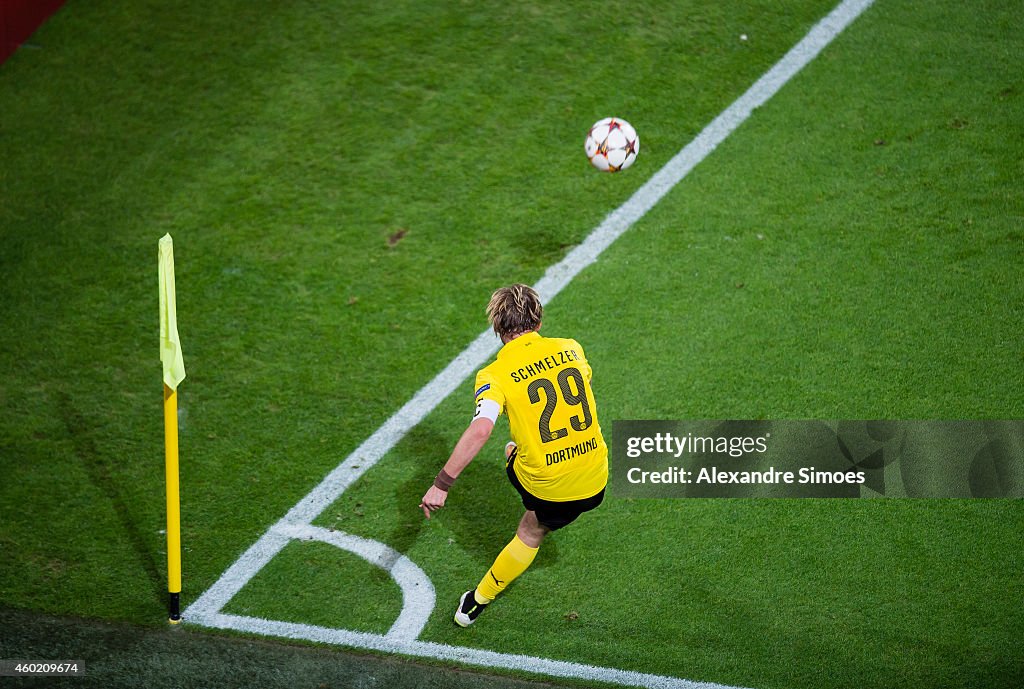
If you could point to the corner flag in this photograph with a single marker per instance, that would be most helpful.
(174, 373)
(170, 346)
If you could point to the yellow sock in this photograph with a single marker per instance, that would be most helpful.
(510, 563)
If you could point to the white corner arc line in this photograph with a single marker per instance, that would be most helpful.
(206, 610)
(417, 590)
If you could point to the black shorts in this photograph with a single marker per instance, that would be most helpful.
(554, 515)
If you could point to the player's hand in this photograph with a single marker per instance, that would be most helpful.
(433, 499)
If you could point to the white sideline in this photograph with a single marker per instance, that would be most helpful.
(460, 654)
(296, 524)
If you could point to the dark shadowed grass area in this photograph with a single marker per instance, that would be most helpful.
(118, 655)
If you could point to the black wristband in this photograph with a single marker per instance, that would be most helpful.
(443, 480)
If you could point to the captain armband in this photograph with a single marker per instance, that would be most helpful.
(487, 409)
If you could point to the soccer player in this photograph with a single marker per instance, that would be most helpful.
(557, 459)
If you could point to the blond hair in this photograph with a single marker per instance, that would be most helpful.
(514, 310)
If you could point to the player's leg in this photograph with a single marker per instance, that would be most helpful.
(518, 554)
(515, 559)
(540, 518)
(531, 531)
(512, 561)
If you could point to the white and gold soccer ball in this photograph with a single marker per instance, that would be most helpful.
(612, 144)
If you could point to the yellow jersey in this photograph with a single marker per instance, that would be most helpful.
(543, 384)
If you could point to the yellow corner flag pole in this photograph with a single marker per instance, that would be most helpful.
(174, 373)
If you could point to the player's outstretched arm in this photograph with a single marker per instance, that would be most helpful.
(472, 440)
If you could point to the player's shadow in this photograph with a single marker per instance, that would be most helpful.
(422, 444)
(482, 510)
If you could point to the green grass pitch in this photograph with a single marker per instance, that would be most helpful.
(347, 182)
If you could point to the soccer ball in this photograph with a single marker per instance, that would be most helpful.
(612, 144)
